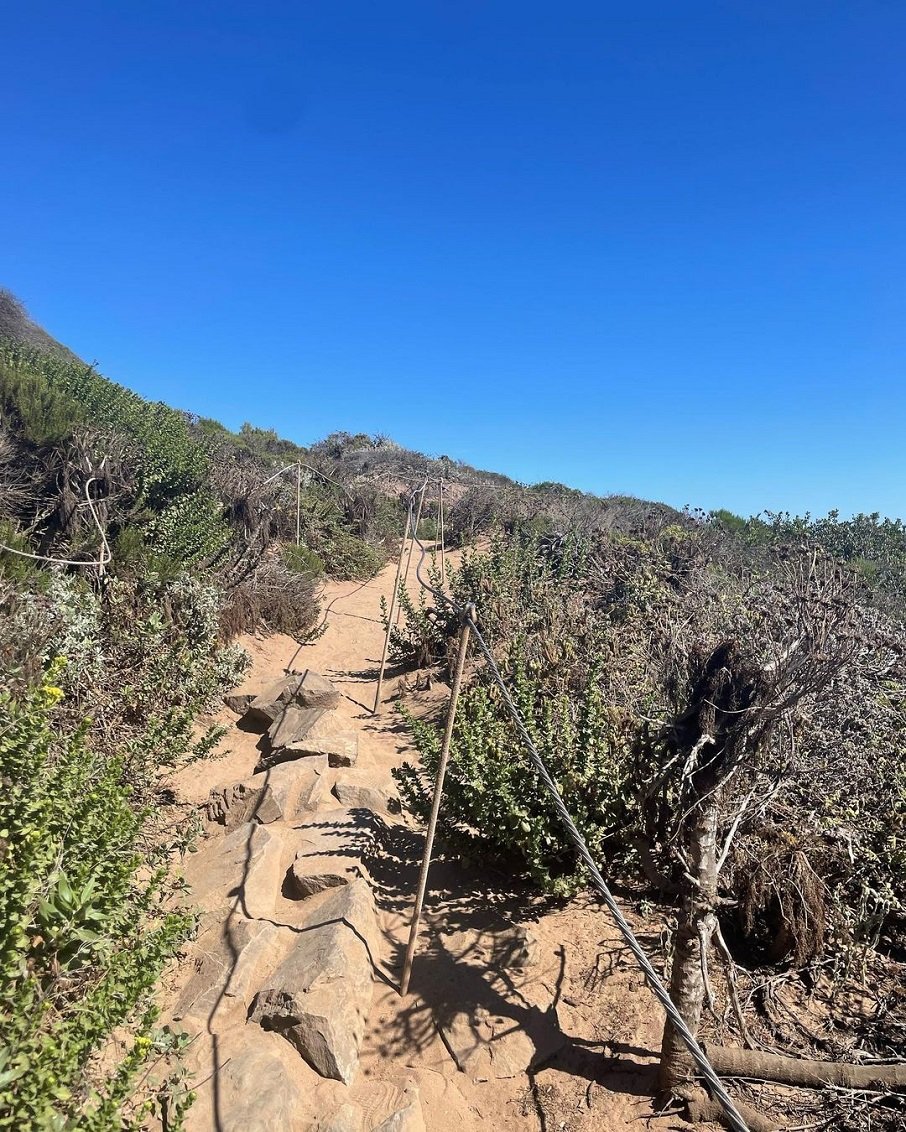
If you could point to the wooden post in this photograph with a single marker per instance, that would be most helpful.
(443, 539)
(418, 517)
(396, 586)
(468, 621)
(298, 503)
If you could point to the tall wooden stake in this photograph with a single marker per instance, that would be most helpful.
(468, 620)
(418, 519)
(396, 586)
(298, 503)
(443, 538)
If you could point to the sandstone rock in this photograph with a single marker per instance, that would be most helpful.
(319, 996)
(292, 726)
(332, 851)
(367, 790)
(341, 749)
(269, 704)
(313, 690)
(347, 1118)
(408, 1116)
(260, 948)
(306, 879)
(239, 703)
(255, 1090)
(242, 870)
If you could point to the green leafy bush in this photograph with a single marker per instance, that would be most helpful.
(83, 931)
(494, 803)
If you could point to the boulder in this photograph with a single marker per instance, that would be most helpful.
(282, 792)
(269, 704)
(239, 702)
(341, 749)
(319, 996)
(313, 690)
(331, 852)
(291, 726)
(367, 790)
(242, 871)
(260, 948)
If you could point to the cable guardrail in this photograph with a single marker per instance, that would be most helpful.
(655, 985)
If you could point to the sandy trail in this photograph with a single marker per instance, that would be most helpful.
(580, 983)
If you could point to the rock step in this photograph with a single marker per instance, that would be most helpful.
(319, 996)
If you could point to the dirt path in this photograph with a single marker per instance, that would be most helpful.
(566, 994)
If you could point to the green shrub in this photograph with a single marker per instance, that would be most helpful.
(494, 803)
(83, 933)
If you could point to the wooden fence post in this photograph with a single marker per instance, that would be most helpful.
(393, 596)
(467, 622)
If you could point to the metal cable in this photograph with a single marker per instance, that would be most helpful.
(600, 885)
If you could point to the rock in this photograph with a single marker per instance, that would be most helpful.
(408, 1116)
(304, 690)
(366, 790)
(319, 996)
(341, 749)
(488, 1047)
(260, 949)
(292, 726)
(314, 690)
(332, 851)
(257, 1087)
(269, 704)
(242, 870)
(239, 703)
(302, 882)
(347, 1118)
(281, 792)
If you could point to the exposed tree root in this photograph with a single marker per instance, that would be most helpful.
(701, 1108)
(731, 1062)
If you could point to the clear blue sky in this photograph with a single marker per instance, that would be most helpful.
(636, 247)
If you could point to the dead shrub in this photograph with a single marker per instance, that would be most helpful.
(275, 599)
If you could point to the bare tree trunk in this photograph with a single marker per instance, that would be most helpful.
(689, 974)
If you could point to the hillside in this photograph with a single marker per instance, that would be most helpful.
(720, 701)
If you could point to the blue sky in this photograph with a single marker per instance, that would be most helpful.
(645, 248)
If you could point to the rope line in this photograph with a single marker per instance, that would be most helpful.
(103, 560)
(655, 984)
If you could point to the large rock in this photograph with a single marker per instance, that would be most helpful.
(319, 996)
(331, 852)
(239, 702)
(347, 1118)
(303, 690)
(366, 789)
(260, 948)
(340, 749)
(241, 873)
(269, 704)
(282, 792)
(292, 726)
(313, 690)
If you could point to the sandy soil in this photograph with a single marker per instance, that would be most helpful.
(580, 985)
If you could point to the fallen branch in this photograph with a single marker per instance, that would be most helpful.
(732, 1062)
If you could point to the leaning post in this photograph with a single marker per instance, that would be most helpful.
(468, 621)
(393, 597)
(414, 536)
